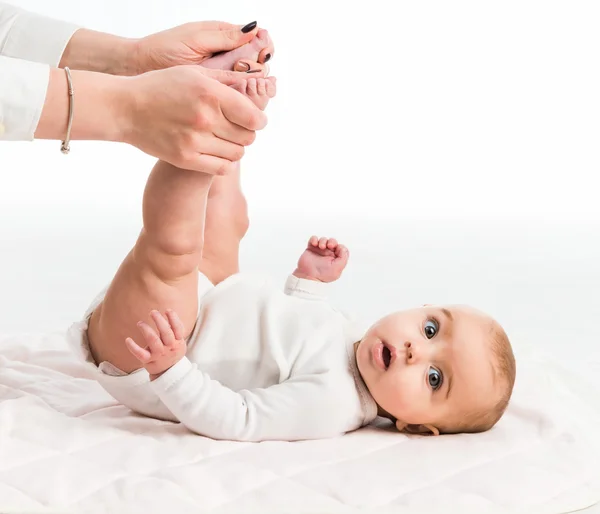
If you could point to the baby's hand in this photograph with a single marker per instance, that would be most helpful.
(323, 260)
(163, 349)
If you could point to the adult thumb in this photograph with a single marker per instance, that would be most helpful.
(229, 38)
(231, 77)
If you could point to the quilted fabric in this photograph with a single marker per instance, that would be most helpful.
(67, 446)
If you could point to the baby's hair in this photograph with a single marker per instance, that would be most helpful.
(506, 369)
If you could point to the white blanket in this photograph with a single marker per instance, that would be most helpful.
(66, 446)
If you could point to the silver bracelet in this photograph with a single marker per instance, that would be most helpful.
(64, 147)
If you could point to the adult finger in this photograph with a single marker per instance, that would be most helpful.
(234, 133)
(209, 144)
(214, 25)
(240, 110)
(209, 164)
(229, 78)
(236, 107)
(251, 68)
(224, 37)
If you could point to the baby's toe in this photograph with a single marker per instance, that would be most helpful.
(240, 86)
(271, 87)
(261, 86)
(251, 87)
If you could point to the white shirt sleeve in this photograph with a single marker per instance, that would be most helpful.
(297, 409)
(307, 289)
(23, 88)
(29, 45)
(32, 37)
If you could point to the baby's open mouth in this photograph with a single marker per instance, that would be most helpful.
(386, 355)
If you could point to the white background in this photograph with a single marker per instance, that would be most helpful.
(452, 145)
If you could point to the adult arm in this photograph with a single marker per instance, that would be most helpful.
(34, 103)
(180, 115)
(29, 45)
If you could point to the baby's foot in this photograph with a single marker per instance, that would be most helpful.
(323, 260)
(259, 90)
(259, 50)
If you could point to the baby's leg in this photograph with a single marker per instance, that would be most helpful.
(226, 224)
(227, 211)
(161, 271)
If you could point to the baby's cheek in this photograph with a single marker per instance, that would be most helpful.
(409, 397)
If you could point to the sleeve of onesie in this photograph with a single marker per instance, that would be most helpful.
(29, 45)
(307, 289)
(297, 409)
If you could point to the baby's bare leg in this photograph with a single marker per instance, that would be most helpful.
(161, 270)
(226, 224)
(227, 210)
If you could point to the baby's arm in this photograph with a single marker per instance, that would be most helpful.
(294, 410)
(322, 262)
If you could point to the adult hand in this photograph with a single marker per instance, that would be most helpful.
(189, 117)
(192, 43)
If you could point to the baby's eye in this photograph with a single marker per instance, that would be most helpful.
(434, 377)
(431, 328)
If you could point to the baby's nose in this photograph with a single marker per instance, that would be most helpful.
(412, 352)
(409, 351)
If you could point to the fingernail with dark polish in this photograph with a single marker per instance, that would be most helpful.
(253, 71)
(267, 57)
(249, 28)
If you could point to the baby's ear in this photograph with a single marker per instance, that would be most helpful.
(424, 429)
(400, 426)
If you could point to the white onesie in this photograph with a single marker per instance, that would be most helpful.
(261, 364)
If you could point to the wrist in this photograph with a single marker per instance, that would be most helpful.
(305, 276)
(121, 102)
(106, 114)
(154, 376)
(102, 109)
(139, 60)
(124, 60)
(89, 50)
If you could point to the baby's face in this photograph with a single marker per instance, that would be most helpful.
(429, 365)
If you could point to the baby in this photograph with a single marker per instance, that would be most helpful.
(181, 335)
